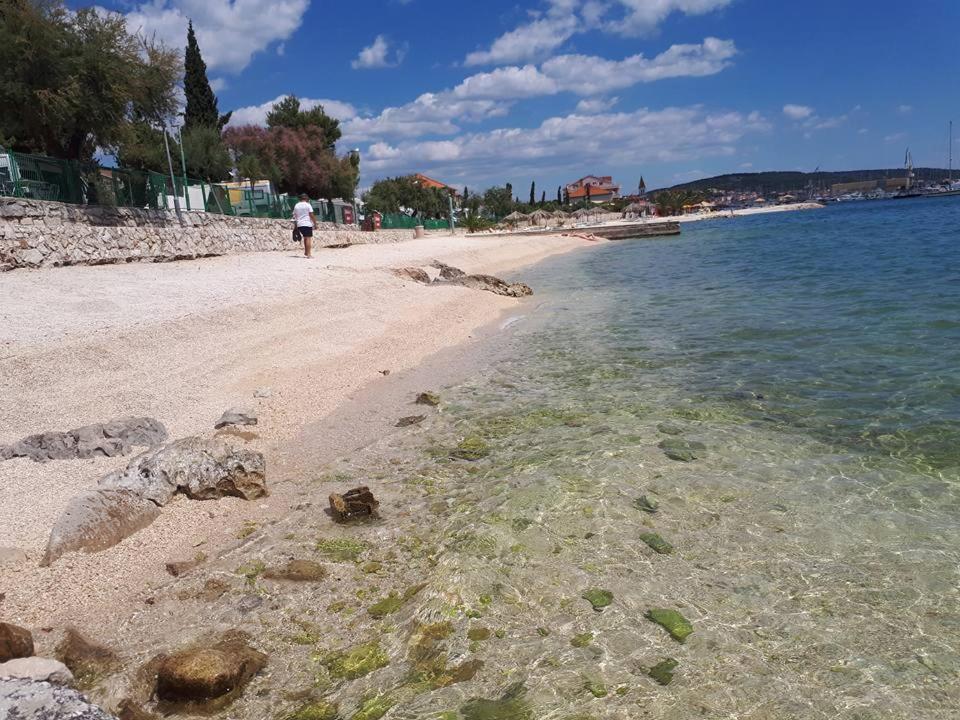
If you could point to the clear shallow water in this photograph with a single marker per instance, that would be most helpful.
(810, 363)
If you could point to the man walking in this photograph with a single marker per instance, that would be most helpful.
(306, 223)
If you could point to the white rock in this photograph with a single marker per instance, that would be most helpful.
(37, 668)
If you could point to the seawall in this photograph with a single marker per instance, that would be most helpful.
(36, 233)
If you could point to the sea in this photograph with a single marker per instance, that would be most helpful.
(711, 475)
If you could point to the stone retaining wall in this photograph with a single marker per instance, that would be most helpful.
(36, 233)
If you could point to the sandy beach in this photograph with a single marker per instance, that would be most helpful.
(182, 342)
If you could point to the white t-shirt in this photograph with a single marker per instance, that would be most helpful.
(301, 213)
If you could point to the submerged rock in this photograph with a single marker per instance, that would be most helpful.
(98, 520)
(38, 669)
(646, 504)
(511, 706)
(428, 398)
(682, 450)
(671, 621)
(86, 660)
(599, 599)
(356, 661)
(357, 502)
(297, 571)
(201, 469)
(34, 700)
(117, 437)
(669, 428)
(236, 416)
(656, 543)
(15, 642)
(318, 710)
(471, 448)
(662, 672)
(209, 671)
(410, 420)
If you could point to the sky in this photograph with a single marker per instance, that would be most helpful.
(482, 93)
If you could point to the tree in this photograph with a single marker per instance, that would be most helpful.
(207, 156)
(559, 196)
(498, 201)
(287, 113)
(533, 193)
(566, 196)
(543, 198)
(466, 193)
(393, 195)
(73, 81)
(201, 109)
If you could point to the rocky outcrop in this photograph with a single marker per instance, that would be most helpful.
(208, 671)
(15, 642)
(117, 437)
(129, 500)
(34, 700)
(97, 520)
(200, 469)
(236, 416)
(450, 275)
(37, 668)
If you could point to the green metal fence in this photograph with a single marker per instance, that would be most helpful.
(398, 221)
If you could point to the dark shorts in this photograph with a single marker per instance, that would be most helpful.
(306, 231)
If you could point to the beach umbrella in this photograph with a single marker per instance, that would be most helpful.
(540, 217)
(581, 214)
(515, 217)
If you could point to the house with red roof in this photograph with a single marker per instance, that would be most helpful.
(425, 181)
(596, 188)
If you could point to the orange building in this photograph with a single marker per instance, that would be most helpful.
(599, 188)
(430, 182)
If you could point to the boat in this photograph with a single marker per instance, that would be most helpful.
(909, 191)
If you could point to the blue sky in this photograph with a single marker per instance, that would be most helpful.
(480, 93)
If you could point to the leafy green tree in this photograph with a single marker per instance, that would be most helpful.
(498, 201)
(73, 81)
(393, 195)
(201, 109)
(206, 155)
(287, 113)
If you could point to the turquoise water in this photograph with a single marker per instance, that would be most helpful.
(784, 389)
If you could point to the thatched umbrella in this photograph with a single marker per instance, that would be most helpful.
(515, 218)
(582, 214)
(560, 216)
(540, 217)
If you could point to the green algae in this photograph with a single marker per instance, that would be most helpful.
(598, 598)
(356, 661)
(581, 640)
(319, 710)
(251, 571)
(471, 448)
(393, 602)
(671, 621)
(662, 672)
(478, 633)
(340, 549)
(595, 688)
(646, 504)
(374, 708)
(682, 450)
(668, 428)
(511, 706)
(657, 543)
(543, 632)
(503, 426)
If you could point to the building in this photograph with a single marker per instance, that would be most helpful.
(425, 181)
(886, 184)
(599, 188)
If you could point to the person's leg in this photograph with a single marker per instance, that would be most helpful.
(307, 246)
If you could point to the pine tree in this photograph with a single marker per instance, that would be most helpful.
(201, 108)
(533, 193)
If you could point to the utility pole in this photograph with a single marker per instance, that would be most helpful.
(450, 204)
(176, 198)
(183, 166)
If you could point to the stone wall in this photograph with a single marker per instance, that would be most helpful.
(35, 233)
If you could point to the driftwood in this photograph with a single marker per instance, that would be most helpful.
(358, 502)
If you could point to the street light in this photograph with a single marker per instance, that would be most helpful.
(173, 182)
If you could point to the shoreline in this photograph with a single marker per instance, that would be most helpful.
(152, 354)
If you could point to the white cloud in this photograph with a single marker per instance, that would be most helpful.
(547, 31)
(230, 32)
(217, 84)
(377, 55)
(591, 75)
(797, 112)
(905, 109)
(895, 137)
(596, 105)
(257, 114)
(642, 136)
(746, 165)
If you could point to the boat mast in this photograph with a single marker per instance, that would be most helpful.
(950, 161)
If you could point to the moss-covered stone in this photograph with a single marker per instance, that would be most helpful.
(319, 710)
(682, 450)
(581, 640)
(471, 448)
(543, 632)
(374, 708)
(387, 605)
(428, 398)
(595, 688)
(671, 621)
(656, 543)
(340, 549)
(251, 571)
(646, 504)
(598, 598)
(662, 672)
(356, 661)
(478, 633)
(512, 706)
(669, 428)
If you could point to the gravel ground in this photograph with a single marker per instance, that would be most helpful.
(182, 342)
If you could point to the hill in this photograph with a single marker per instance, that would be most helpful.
(792, 181)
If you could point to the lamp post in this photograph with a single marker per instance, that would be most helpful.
(183, 166)
(173, 182)
(355, 160)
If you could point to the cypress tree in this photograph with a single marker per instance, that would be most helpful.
(201, 108)
(543, 198)
(559, 196)
(533, 193)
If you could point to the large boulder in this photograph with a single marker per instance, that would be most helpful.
(201, 469)
(25, 699)
(97, 520)
(117, 437)
(208, 671)
(37, 668)
(15, 642)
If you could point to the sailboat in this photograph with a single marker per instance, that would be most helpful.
(944, 190)
(908, 191)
